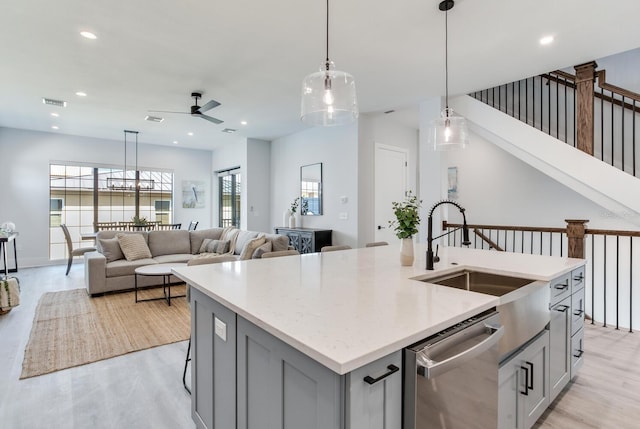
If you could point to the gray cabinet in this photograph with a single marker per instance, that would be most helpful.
(243, 377)
(279, 387)
(523, 385)
(577, 320)
(374, 394)
(306, 240)
(559, 346)
(213, 363)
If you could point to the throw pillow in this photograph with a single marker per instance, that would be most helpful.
(266, 247)
(250, 247)
(133, 246)
(215, 246)
(111, 249)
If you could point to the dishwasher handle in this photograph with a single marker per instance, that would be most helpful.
(433, 369)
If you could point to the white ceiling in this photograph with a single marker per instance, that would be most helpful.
(251, 56)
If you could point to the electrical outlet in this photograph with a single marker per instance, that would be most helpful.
(221, 329)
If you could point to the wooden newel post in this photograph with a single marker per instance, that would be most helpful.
(575, 233)
(585, 77)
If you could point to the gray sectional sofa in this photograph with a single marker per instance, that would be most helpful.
(108, 270)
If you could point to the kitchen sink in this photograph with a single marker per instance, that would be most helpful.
(477, 281)
(523, 307)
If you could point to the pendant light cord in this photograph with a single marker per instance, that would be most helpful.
(446, 59)
(327, 60)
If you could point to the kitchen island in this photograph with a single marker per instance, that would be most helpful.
(325, 319)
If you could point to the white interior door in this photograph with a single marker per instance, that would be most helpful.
(390, 185)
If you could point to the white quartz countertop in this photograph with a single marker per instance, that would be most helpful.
(348, 308)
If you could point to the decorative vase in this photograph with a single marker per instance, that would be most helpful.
(292, 220)
(406, 252)
(285, 217)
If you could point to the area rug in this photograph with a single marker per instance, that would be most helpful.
(70, 328)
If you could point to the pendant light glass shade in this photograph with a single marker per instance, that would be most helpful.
(329, 97)
(449, 132)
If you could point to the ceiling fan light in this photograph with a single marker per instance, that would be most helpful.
(449, 132)
(329, 98)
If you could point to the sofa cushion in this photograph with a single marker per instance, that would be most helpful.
(265, 248)
(242, 239)
(107, 234)
(211, 258)
(250, 247)
(122, 267)
(178, 257)
(197, 237)
(169, 242)
(215, 246)
(278, 241)
(111, 249)
(134, 246)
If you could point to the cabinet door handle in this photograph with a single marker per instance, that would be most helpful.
(562, 308)
(561, 286)
(531, 373)
(526, 380)
(392, 368)
(580, 353)
(380, 227)
(578, 312)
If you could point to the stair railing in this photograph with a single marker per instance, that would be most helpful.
(602, 122)
(612, 273)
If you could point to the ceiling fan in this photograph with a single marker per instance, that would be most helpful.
(198, 110)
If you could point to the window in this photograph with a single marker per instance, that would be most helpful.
(81, 195)
(229, 198)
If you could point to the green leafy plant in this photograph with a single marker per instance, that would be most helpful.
(294, 205)
(139, 220)
(407, 216)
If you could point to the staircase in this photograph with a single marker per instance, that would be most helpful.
(600, 127)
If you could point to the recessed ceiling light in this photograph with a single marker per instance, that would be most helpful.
(88, 35)
(243, 122)
(175, 142)
(189, 133)
(81, 94)
(546, 40)
(55, 127)
(55, 114)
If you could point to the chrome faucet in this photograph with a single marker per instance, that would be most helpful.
(465, 231)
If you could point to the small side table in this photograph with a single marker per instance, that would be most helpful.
(4, 242)
(163, 270)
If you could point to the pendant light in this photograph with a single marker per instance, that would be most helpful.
(448, 131)
(328, 95)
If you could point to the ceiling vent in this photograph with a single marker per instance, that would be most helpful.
(229, 130)
(153, 118)
(52, 102)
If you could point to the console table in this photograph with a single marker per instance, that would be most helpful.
(306, 240)
(4, 242)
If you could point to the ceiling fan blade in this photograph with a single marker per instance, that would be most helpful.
(167, 111)
(209, 118)
(208, 106)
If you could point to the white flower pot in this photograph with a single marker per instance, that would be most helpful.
(406, 252)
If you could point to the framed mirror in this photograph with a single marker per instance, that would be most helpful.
(311, 190)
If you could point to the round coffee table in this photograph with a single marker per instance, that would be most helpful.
(163, 270)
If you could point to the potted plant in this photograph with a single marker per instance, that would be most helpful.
(139, 220)
(406, 225)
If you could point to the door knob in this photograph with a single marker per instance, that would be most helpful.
(380, 227)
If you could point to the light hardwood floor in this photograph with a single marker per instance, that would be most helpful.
(606, 392)
(137, 390)
(144, 389)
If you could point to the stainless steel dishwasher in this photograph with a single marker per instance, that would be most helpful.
(451, 378)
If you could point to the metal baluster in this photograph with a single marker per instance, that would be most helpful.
(593, 281)
(604, 283)
(630, 284)
(633, 137)
(617, 282)
(601, 124)
(612, 127)
(622, 136)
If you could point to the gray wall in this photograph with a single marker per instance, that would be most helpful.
(24, 175)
